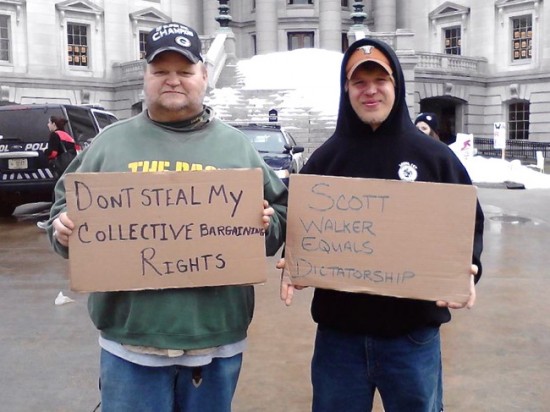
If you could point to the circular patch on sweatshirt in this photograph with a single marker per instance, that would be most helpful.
(407, 171)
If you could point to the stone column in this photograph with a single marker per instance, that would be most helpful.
(330, 25)
(209, 12)
(187, 12)
(404, 48)
(266, 26)
(404, 15)
(385, 19)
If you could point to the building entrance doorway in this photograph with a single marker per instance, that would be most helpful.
(449, 112)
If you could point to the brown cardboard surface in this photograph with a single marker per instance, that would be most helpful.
(166, 230)
(386, 237)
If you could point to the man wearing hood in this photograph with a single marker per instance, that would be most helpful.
(367, 342)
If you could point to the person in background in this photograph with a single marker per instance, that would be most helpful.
(172, 349)
(427, 123)
(368, 342)
(58, 137)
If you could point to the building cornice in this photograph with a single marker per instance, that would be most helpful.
(79, 6)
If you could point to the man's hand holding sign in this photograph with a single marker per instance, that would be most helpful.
(392, 238)
(164, 230)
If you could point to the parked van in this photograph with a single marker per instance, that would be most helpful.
(24, 173)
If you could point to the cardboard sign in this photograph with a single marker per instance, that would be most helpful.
(166, 230)
(385, 237)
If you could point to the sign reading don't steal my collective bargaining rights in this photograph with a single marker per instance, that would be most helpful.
(165, 230)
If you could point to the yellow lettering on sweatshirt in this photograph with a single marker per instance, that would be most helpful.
(164, 165)
(192, 167)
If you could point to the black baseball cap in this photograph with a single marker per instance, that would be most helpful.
(429, 118)
(173, 37)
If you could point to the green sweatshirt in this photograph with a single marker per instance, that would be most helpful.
(190, 318)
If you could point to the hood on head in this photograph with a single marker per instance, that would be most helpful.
(348, 122)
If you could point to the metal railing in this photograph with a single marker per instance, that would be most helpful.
(515, 149)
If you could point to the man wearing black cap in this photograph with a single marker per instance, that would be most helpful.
(175, 77)
(173, 349)
(367, 342)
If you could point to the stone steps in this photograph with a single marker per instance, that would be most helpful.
(233, 103)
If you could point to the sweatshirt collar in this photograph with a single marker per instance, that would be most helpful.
(196, 122)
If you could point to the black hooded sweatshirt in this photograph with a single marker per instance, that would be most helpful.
(355, 150)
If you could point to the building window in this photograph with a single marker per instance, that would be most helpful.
(449, 23)
(253, 4)
(4, 39)
(300, 40)
(522, 35)
(453, 39)
(142, 39)
(518, 121)
(77, 44)
(143, 21)
(345, 3)
(300, 1)
(254, 45)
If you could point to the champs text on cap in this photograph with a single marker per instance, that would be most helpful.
(173, 37)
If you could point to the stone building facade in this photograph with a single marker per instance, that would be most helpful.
(472, 62)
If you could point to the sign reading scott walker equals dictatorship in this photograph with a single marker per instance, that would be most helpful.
(386, 237)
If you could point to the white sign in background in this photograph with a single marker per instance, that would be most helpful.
(499, 135)
(465, 144)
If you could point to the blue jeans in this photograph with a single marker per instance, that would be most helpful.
(347, 369)
(127, 387)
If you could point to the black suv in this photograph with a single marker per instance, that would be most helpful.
(277, 147)
(24, 173)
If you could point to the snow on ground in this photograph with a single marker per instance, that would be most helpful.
(313, 76)
(494, 170)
